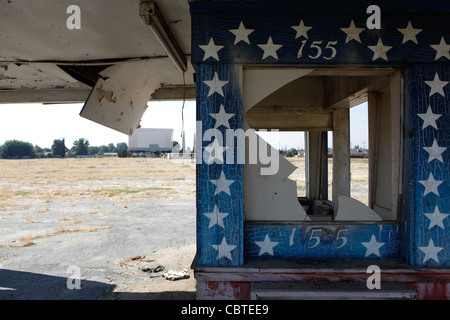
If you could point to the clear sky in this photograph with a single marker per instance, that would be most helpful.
(41, 124)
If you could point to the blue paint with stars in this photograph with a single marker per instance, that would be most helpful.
(273, 39)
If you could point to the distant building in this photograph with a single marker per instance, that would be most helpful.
(151, 140)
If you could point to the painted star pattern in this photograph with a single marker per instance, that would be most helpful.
(353, 32)
(380, 50)
(266, 246)
(223, 249)
(437, 85)
(429, 118)
(222, 184)
(222, 118)
(409, 33)
(241, 34)
(435, 152)
(216, 217)
(211, 50)
(373, 246)
(436, 218)
(431, 185)
(215, 151)
(442, 49)
(270, 49)
(431, 252)
(302, 30)
(215, 85)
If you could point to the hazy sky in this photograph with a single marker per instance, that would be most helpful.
(41, 124)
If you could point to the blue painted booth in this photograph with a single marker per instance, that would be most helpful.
(301, 66)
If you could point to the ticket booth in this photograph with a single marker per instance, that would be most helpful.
(302, 66)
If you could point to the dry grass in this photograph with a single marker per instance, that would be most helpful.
(34, 189)
(27, 240)
(49, 179)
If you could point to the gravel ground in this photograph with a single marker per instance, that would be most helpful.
(106, 234)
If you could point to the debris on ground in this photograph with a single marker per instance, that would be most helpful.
(176, 275)
(153, 269)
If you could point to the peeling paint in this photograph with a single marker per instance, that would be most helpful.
(108, 95)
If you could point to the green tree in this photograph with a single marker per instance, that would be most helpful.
(81, 146)
(15, 149)
(59, 148)
(121, 146)
(122, 153)
(92, 150)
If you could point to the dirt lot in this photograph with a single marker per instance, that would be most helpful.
(96, 214)
(106, 217)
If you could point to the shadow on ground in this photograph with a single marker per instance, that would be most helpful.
(20, 285)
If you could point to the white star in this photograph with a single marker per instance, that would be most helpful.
(215, 151)
(436, 218)
(430, 251)
(211, 50)
(222, 184)
(241, 33)
(380, 50)
(302, 30)
(437, 86)
(431, 185)
(442, 49)
(222, 118)
(429, 118)
(223, 249)
(409, 33)
(435, 152)
(270, 49)
(215, 85)
(352, 32)
(216, 217)
(373, 247)
(266, 246)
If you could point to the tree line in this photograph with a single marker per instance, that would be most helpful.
(15, 149)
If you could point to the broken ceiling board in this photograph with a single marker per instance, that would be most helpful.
(36, 76)
(36, 30)
(44, 96)
(120, 96)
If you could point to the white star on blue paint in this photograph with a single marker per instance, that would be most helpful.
(223, 249)
(431, 252)
(435, 152)
(211, 50)
(216, 217)
(266, 246)
(436, 218)
(222, 184)
(241, 34)
(373, 247)
(429, 118)
(437, 86)
(215, 151)
(431, 185)
(215, 85)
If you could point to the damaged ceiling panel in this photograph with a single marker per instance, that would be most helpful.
(114, 50)
(119, 98)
